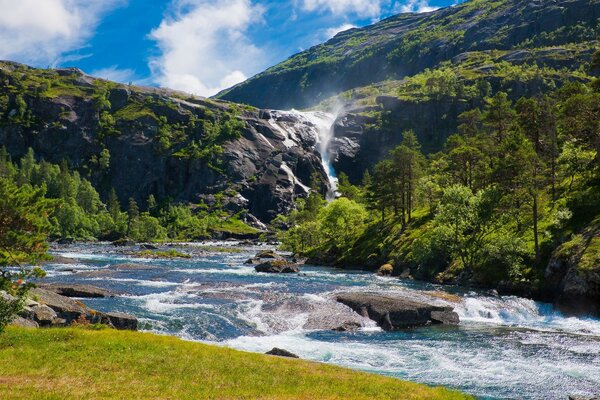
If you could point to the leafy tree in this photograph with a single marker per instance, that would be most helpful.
(133, 215)
(341, 222)
(23, 227)
(464, 227)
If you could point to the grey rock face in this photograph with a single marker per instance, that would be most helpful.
(119, 321)
(77, 290)
(392, 313)
(264, 171)
(55, 309)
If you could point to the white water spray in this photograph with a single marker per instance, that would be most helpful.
(323, 125)
(296, 125)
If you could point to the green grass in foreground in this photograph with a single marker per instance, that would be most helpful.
(84, 364)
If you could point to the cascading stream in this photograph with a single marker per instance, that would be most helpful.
(505, 347)
(323, 125)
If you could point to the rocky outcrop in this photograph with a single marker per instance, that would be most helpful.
(572, 277)
(77, 290)
(281, 353)
(262, 167)
(278, 267)
(392, 313)
(46, 308)
(65, 308)
(119, 320)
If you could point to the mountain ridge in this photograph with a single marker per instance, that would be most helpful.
(406, 44)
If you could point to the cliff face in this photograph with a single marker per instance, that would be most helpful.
(144, 141)
(407, 44)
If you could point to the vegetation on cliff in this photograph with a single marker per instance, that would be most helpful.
(77, 211)
(515, 182)
(65, 364)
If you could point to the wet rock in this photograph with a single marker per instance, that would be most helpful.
(281, 353)
(392, 313)
(406, 274)
(119, 320)
(61, 260)
(349, 326)
(132, 267)
(277, 267)
(148, 247)
(268, 254)
(385, 270)
(123, 242)
(64, 241)
(77, 290)
(584, 398)
(253, 261)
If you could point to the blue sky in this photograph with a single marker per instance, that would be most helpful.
(199, 46)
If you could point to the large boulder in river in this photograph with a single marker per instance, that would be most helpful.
(277, 267)
(77, 290)
(393, 313)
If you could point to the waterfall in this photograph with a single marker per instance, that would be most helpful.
(322, 124)
(317, 124)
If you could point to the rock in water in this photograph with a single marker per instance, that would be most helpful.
(392, 313)
(385, 270)
(277, 267)
(77, 290)
(119, 320)
(281, 353)
(268, 254)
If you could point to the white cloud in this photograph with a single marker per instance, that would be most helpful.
(331, 32)
(418, 6)
(204, 47)
(115, 74)
(364, 8)
(40, 31)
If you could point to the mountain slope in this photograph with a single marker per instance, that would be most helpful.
(407, 44)
(144, 141)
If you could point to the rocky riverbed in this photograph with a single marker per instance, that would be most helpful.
(499, 348)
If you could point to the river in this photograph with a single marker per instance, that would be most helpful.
(504, 347)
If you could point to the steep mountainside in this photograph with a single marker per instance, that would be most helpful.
(144, 141)
(407, 44)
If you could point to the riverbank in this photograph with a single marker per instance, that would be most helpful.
(108, 364)
(214, 297)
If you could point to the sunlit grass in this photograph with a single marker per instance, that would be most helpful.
(85, 364)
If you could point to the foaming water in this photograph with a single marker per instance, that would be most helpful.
(504, 348)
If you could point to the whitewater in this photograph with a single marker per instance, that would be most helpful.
(504, 347)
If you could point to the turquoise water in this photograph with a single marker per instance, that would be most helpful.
(504, 348)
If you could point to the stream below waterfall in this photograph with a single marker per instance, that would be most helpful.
(504, 347)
